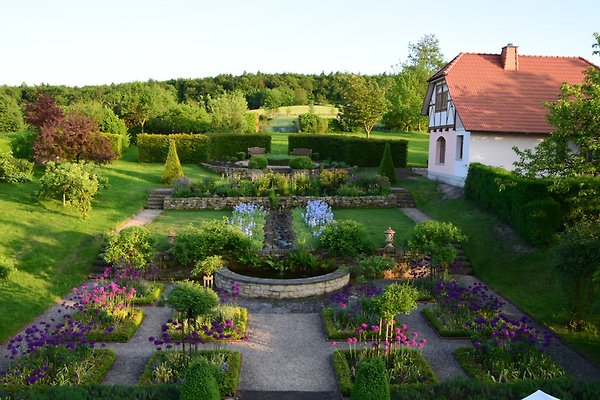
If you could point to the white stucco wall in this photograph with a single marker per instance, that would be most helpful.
(496, 149)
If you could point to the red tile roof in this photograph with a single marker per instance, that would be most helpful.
(490, 98)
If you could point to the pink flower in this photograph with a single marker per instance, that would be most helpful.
(424, 341)
(374, 328)
(404, 327)
(415, 334)
(349, 340)
(333, 344)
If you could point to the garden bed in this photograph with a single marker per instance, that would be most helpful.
(409, 369)
(231, 325)
(168, 366)
(505, 367)
(251, 287)
(120, 330)
(65, 368)
(439, 327)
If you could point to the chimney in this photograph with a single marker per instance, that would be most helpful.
(509, 57)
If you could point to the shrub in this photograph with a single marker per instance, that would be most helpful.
(76, 183)
(436, 240)
(190, 148)
(257, 162)
(72, 138)
(208, 239)
(373, 267)
(22, 145)
(192, 300)
(302, 162)
(371, 381)
(173, 168)
(14, 170)
(180, 118)
(577, 261)
(312, 123)
(386, 167)
(11, 116)
(208, 266)
(199, 382)
(7, 266)
(345, 238)
(132, 246)
(331, 180)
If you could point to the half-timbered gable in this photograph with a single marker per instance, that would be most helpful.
(482, 105)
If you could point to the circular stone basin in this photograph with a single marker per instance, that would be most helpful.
(252, 287)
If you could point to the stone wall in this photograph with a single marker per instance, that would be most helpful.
(287, 202)
(251, 287)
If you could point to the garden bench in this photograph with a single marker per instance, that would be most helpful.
(253, 151)
(301, 151)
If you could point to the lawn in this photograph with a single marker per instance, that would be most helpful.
(176, 220)
(52, 247)
(523, 277)
(377, 220)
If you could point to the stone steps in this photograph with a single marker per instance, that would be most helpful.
(404, 198)
(156, 198)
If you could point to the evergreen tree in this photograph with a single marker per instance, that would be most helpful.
(173, 168)
(386, 167)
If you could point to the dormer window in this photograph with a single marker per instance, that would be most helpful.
(441, 97)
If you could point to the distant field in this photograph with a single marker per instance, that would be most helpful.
(324, 111)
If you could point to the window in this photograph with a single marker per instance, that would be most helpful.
(441, 150)
(441, 97)
(460, 142)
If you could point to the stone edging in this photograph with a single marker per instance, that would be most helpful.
(286, 202)
(251, 287)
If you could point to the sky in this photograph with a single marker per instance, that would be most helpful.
(92, 42)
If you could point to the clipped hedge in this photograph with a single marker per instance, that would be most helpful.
(352, 150)
(524, 203)
(99, 392)
(223, 145)
(460, 389)
(117, 142)
(198, 148)
(191, 148)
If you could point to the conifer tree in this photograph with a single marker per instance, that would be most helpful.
(173, 168)
(386, 167)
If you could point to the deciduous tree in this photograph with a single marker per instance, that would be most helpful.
(44, 111)
(363, 101)
(142, 101)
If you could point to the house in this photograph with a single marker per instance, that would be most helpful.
(481, 105)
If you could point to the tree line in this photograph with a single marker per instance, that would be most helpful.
(399, 94)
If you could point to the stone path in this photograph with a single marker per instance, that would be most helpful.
(143, 217)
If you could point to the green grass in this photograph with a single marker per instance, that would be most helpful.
(377, 220)
(176, 220)
(524, 278)
(53, 248)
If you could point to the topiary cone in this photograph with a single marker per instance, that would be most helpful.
(173, 168)
(386, 167)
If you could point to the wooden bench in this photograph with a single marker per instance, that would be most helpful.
(254, 151)
(301, 151)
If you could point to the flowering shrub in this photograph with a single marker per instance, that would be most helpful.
(146, 290)
(317, 215)
(250, 218)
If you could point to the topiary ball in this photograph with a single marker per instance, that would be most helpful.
(199, 382)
